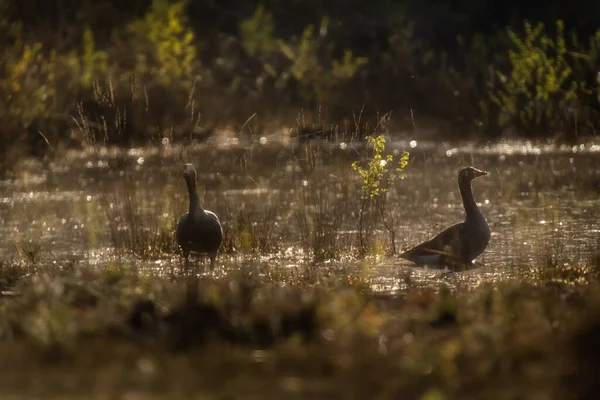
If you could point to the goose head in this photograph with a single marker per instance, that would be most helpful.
(189, 174)
(470, 173)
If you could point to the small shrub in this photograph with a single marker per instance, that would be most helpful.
(166, 51)
(38, 88)
(546, 88)
(377, 173)
(320, 78)
(308, 67)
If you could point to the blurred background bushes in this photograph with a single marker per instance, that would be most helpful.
(124, 72)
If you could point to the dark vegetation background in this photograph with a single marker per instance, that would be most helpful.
(132, 71)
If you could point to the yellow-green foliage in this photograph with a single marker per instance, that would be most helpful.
(258, 34)
(41, 83)
(379, 170)
(310, 62)
(259, 40)
(93, 63)
(377, 173)
(541, 89)
(320, 78)
(166, 48)
(23, 93)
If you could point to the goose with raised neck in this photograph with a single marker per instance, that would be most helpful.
(460, 244)
(198, 230)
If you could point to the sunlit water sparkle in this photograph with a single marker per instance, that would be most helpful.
(535, 196)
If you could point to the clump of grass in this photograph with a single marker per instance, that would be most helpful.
(594, 262)
(555, 262)
(254, 228)
(11, 273)
(28, 249)
(321, 213)
(140, 223)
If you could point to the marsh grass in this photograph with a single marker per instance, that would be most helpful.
(28, 249)
(133, 111)
(140, 223)
(324, 207)
(270, 324)
(309, 330)
(253, 225)
(317, 127)
(334, 339)
(257, 225)
(559, 258)
(12, 273)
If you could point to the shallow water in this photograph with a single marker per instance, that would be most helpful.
(537, 198)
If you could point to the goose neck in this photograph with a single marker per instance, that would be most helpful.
(466, 191)
(195, 207)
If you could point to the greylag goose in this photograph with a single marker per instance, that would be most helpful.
(198, 230)
(461, 243)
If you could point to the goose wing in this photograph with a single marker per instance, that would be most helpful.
(447, 243)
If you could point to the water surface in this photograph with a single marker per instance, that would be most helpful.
(537, 199)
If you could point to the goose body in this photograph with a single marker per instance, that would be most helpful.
(461, 243)
(198, 230)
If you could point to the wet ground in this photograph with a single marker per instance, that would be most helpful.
(536, 198)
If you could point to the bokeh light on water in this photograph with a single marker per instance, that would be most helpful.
(535, 196)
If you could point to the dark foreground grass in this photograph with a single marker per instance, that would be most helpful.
(117, 333)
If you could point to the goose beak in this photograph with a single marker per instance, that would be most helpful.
(478, 172)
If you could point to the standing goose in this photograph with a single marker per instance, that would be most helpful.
(199, 230)
(461, 243)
